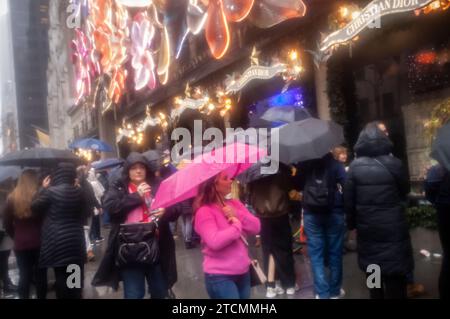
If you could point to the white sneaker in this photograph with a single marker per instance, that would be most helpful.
(341, 295)
(279, 290)
(290, 291)
(271, 293)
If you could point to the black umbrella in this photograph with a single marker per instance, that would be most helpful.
(306, 140)
(39, 157)
(440, 150)
(9, 172)
(253, 174)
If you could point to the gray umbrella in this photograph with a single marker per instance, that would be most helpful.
(39, 157)
(440, 150)
(306, 140)
(286, 114)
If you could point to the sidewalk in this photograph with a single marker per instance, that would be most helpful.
(190, 283)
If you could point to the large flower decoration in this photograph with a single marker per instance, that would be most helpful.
(215, 16)
(86, 65)
(142, 35)
(108, 25)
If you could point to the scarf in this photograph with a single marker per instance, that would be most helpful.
(140, 213)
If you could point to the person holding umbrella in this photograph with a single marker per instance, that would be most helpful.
(269, 198)
(220, 224)
(321, 182)
(61, 204)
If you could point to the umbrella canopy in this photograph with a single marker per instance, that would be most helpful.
(92, 144)
(308, 139)
(440, 150)
(286, 114)
(39, 157)
(184, 184)
(107, 163)
(252, 174)
(9, 172)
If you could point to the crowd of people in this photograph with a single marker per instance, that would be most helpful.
(46, 225)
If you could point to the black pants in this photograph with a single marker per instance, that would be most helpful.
(63, 291)
(444, 234)
(27, 261)
(4, 277)
(392, 287)
(276, 240)
(95, 228)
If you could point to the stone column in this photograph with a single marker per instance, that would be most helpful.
(107, 132)
(322, 100)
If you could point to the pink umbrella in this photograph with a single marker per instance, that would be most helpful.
(233, 159)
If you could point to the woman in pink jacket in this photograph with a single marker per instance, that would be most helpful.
(220, 223)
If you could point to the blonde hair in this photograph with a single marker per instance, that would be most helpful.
(23, 193)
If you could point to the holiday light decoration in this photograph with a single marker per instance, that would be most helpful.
(267, 13)
(133, 135)
(85, 154)
(142, 33)
(436, 5)
(290, 71)
(110, 38)
(440, 115)
(86, 65)
(216, 15)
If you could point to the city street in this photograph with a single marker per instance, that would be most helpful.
(190, 283)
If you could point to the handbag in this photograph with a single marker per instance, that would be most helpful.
(257, 275)
(138, 244)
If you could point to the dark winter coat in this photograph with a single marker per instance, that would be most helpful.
(376, 187)
(335, 176)
(63, 207)
(437, 186)
(269, 196)
(119, 202)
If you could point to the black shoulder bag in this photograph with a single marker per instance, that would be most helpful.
(138, 244)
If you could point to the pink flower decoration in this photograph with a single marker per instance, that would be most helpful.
(142, 34)
(86, 64)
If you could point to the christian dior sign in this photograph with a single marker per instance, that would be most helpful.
(370, 18)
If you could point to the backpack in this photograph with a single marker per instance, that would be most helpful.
(316, 193)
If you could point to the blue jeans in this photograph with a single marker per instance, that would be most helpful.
(187, 227)
(228, 286)
(106, 218)
(325, 234)
(134, 282)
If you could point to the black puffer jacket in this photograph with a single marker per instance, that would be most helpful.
(376, 187)
(119, 202)
(63, 208)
